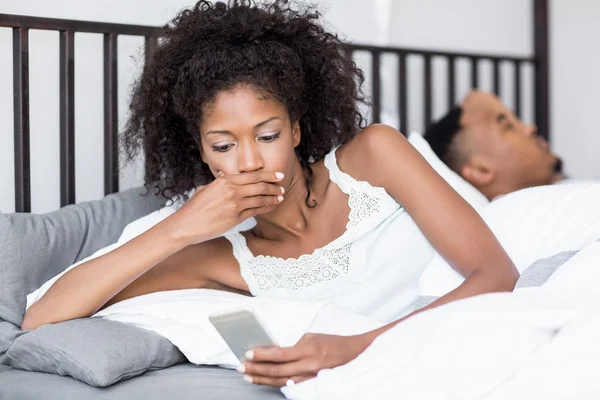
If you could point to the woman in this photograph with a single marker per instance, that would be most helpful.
(257, 107)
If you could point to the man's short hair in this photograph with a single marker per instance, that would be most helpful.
(441, 134)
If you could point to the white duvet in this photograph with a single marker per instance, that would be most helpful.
(492, 346)
(541, 344)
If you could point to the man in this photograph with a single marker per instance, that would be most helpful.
(485, 143)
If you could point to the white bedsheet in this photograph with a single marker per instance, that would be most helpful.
(536, 344)
(182, 317)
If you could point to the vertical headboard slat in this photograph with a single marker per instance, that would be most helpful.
(403, 93)
(496, 74)
(428, 90)
(542, 68)
(149, 48)
(517, 88)
(376, 93)
(451, 82)
(474, 72)
(111, 118)
(21, 119)
(67, 117)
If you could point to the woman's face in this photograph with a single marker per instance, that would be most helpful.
(243, 131)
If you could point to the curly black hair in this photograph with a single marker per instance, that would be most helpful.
(280, 49)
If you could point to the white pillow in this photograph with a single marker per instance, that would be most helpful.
(531, 224)
(467, 191)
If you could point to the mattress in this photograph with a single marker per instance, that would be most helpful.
(185, 381)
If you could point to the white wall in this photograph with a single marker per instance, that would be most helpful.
(575, 85)
(463, 25)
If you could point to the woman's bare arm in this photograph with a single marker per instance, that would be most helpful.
(212, 210)
(84, 290)
(384, 158)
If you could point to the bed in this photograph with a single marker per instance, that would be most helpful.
(30, 242)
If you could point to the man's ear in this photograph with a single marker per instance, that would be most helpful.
(296, 133)
(478, 173)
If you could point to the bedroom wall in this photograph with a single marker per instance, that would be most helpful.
(455, 25)
(575, 85)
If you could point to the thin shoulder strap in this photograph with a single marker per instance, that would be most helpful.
(342, 179)
(244, 257)
(240, 248)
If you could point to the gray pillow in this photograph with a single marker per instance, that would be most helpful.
(535, 275)
(34, 248)
(96, 351)
(420, 302)
(541, 270)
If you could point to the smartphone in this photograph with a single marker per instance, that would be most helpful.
(242, 330)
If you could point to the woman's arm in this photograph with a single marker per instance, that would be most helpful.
(381, 156)
(212, 210)
(85, 289)
(386, 159)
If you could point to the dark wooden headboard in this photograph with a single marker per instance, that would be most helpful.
(67, 28)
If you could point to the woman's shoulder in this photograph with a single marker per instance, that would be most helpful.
(215, 250)
(213, 260)
(358, 157)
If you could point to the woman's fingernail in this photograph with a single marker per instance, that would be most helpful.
(248, 378)
(279, 175)
(249, 354)
(241, 368)
(282, 189)
(280, 198)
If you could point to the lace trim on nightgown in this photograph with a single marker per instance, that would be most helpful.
(264, 273)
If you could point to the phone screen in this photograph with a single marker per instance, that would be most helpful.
(242, 331)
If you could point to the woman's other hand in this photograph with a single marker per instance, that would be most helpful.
(275, 366)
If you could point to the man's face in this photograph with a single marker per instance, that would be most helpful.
(513, 152)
